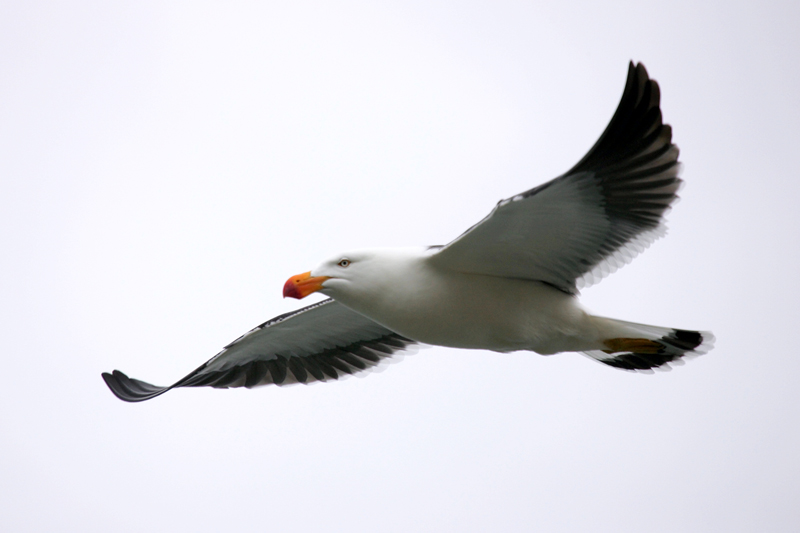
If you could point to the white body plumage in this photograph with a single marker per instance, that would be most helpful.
(405, 292)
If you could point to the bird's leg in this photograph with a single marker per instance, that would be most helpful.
(623, 344)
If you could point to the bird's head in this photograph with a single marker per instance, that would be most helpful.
(331, 277)
(350, 274)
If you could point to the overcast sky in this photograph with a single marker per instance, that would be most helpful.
(166, 166)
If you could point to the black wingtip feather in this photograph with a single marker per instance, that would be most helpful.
(298, 370)
(231, 376)
(350, 359)
(277, 371)
(131, 390)
(636, 120)
(326, 367)
(313, 368)
(258, 371)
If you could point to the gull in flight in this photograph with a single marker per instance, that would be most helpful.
(508, 283)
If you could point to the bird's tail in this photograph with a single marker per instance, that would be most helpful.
(639, 347)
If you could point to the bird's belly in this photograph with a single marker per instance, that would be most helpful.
(483, 312)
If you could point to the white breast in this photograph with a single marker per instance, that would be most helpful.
(438, 306)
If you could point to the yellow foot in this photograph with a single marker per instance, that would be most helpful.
(632, 345)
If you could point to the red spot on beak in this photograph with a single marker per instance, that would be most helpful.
(302, 285)
(290, 289)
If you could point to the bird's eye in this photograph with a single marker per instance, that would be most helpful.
(344, 263)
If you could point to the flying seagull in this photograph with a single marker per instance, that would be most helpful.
(508, 283)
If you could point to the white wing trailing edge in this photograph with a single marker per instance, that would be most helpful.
(576, 229)
(320, 342)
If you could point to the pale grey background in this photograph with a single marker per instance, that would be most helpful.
(165, 166)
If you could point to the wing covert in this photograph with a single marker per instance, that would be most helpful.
(316, 343)
(572, 231)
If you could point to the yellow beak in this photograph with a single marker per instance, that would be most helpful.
(302, 285)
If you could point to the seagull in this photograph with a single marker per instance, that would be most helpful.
(508, 283)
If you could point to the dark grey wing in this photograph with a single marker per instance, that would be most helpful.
(316, 343)
(580, 227)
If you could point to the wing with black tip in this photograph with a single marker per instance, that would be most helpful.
(574, 230)
(320, 342)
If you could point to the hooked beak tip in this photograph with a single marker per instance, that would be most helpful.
(290, 289)
(302, 285)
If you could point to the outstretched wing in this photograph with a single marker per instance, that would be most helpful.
(316, 343)
(576, 229)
